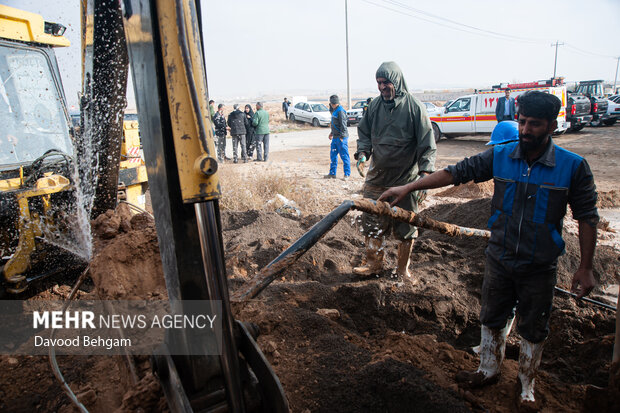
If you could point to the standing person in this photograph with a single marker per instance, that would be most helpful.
(339, 137)
(220, 132)
(236, 123)
(534, 181)
(365, 107)
(261, 122)
(212, 108)
(249, 131)
(285, 105)
(396, 134)
(505, 109)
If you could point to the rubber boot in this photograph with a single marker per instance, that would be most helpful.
(373, 264)
(529, 360)
(404, 258)
(505, 334)
(492, 347)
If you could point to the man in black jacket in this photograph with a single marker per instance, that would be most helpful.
(236, 123)
(220, 132)
(534, 181)
(285, 105)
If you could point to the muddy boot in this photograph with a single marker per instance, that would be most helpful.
(529, 360)
(404, 257)
(492, 347)
(373, 264)
(505, 333)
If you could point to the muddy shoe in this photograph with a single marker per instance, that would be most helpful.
(404, 257)
(373, 263)
(368, 270)
(522, 405)
(475, 379)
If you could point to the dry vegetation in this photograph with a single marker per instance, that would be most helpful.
(259, 191)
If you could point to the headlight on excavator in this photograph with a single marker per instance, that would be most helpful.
(54, 29)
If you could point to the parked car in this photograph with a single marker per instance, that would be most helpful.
(593, 90)
(432, 109)
(315, 113)
(578, 111)
(613, 110)
(354, 115)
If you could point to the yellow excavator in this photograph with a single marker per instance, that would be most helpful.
(54, 180)
(43, 215)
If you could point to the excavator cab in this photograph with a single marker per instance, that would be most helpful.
(37, 197)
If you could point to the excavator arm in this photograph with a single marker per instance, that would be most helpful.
(162, 42)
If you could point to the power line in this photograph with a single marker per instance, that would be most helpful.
(405, 6)
(589, 53)
(462, 27)
(438, 23)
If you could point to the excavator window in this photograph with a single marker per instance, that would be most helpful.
(31, 110)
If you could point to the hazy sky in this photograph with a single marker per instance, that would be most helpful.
(289, 46)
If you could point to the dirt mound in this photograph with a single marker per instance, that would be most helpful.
(339, 342)
(127, 265)
(386, 320)
(609, 199)
(469, 190)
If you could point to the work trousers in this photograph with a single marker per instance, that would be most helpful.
(239, 140)
(340, 147)
(262, 146)
(531, 290)
(221, 148)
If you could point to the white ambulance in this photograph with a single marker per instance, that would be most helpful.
(476, 113)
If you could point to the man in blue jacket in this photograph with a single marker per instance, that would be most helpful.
(505, 109)
(534, 181)
(339, 137)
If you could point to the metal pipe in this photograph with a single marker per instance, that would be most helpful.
(420, 221)
(215, 273)
(616, 354)
(588, 300)
(346, 25)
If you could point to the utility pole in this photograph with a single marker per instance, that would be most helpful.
(346, 24)
(555, 64)
(616, 77)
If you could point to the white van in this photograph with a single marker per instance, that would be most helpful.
(476, 113)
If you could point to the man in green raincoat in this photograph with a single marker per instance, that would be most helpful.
(396, 135)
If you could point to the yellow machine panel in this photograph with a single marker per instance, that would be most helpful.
(30, 27)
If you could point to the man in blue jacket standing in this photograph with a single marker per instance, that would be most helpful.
(534, 181)
(339, 137)
(505, 109)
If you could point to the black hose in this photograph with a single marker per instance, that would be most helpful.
(587, 300)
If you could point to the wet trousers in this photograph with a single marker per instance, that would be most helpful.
(531, 290)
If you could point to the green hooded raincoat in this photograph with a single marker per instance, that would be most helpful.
(398, 139)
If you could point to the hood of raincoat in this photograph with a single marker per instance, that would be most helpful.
(391, 72)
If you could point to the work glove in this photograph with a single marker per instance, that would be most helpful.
(361, 164)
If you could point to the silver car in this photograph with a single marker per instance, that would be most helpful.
(315, 113)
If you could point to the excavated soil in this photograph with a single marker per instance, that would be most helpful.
(336, 341)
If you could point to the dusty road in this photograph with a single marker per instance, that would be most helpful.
(305, 155)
